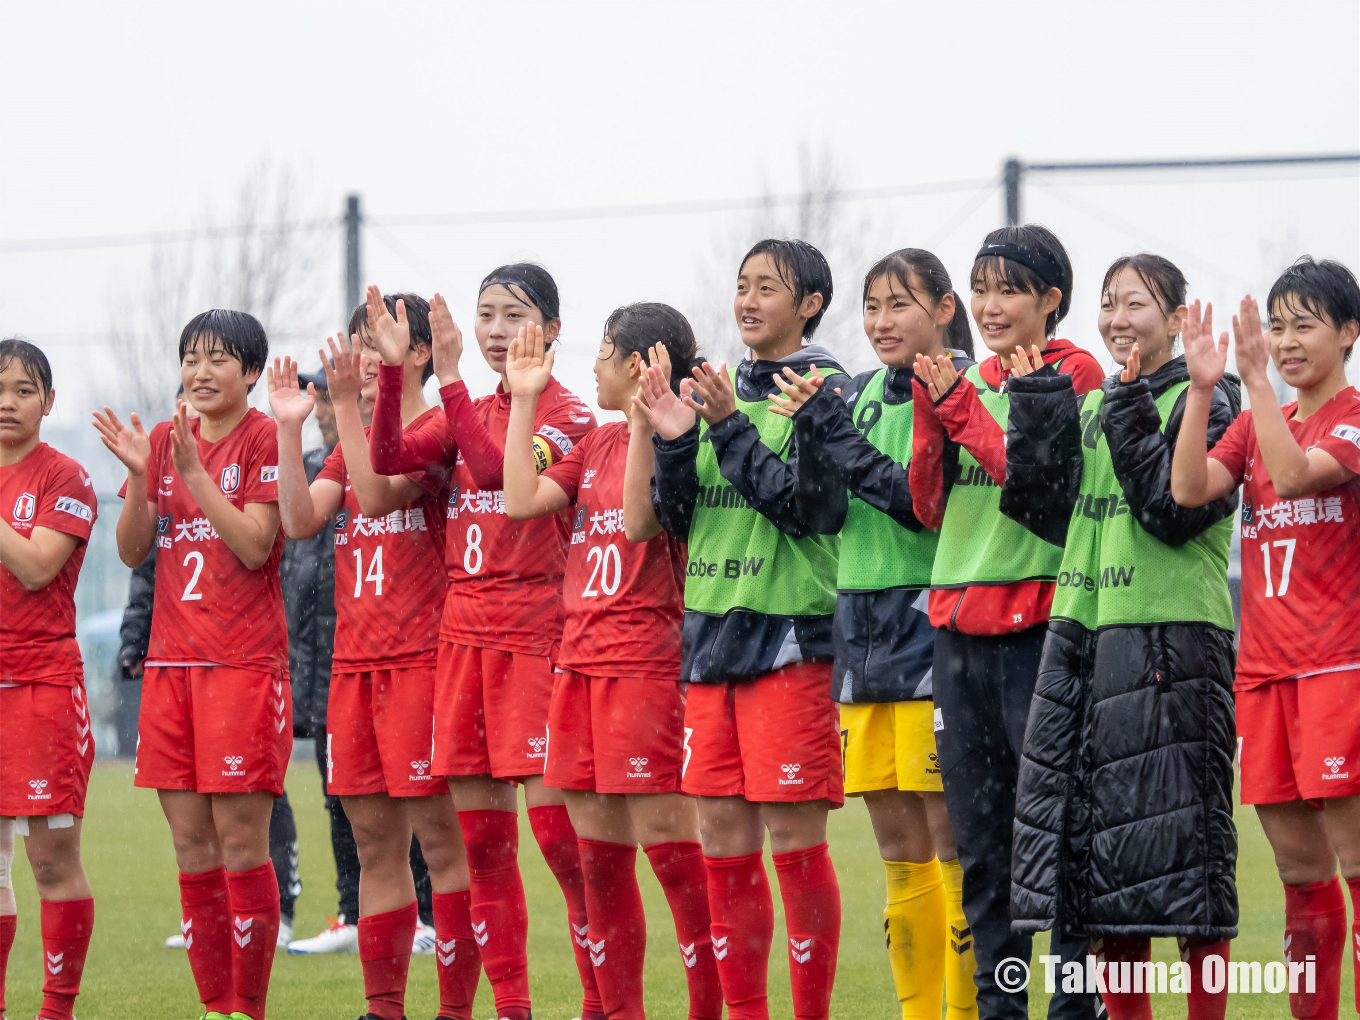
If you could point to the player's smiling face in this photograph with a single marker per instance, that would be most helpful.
(616, 376)
(501, 313)
(22, 405)
(1009, 316)
(1307, 347)
(764, 307)
(899, 324)
(1130, 313)
(214, 383)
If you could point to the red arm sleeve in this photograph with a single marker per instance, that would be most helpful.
(1231, 449)
(925, 471)
(67, 503)
(482, 456)
(968, 424)
(390, 450)
(567, 471)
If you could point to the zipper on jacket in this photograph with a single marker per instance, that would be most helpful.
(955, 614)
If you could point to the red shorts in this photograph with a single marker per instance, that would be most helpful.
(46, 750)
(615, 735)
(775, 738)
(1299, 739)
(379, 734)
(490, 712)
(214, 729)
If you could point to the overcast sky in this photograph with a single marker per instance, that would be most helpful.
(132, 117)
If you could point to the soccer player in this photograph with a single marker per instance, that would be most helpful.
(1298, 660)
(1141, 629)
(215, 728)
(389, 595)
(992, 584)
(616, 724)
(883, 639)
(762, 742)
(47, 508)
(502, 623)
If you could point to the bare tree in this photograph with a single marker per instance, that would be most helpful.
(264, 259)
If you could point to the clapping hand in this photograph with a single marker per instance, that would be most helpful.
(796, 391)
(290, 404)
(1204, 358)
(131, 444)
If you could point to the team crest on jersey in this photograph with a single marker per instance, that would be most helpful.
(231, 478)
(24, 507)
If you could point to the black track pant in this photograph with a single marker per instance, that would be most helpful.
(347, 858)
(283, 854)
(983, 687)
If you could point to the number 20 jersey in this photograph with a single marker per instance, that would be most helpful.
(1300, 557)
(389, 571)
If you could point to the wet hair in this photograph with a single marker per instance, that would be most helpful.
(638, 327)
(1326, 289)
(31, 358)
(239, 334)
(533, 283)
(1161, 276)
(417, 322)
(1029, 258)
(803, 269)
(931, 276)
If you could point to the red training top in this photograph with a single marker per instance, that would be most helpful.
(1300, 557)
(624, 600)
(49, 490)
(389, 575)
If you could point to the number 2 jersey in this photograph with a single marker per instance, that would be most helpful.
(210, 609)
(1300, 557)
(389, 571)
(623, 600)
(49, 490)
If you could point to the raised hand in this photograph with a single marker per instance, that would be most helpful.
(796, 391)
(937, 376)
(447, 341)
(1133, 368)
(657, 403)
(392, 337)
(1253, 354)
(527, 369)
(343, 368)
(184, 444)
(714, 388)
(1204, 358)
(1023, 364)
(290, 404)
(131, 444)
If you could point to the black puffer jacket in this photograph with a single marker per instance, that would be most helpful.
(134, 636)
(1124, 800)
(307, 576)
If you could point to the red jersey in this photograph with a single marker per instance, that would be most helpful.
(46, 489)
(623, 600)
(389, 574)
(1300, 557)
(209, 609)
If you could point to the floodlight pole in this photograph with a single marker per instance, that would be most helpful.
(352, 219)
(1013, 171)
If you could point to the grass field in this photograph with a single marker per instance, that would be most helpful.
(130, 976)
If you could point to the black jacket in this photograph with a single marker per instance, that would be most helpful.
(135, 633)
(742, 644)
(307, 576)
(1123, 815)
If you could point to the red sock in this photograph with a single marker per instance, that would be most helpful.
(1315, 925)
(557, 839)
(812, 914)
(254, 898)
(1205, 1005)
(1354, 885)
(459, 964)
(8, 923)
(679, 867)
(742, 929)
(207, 936)
(617, 937)
(66, 928)
(499, 916)
(1119, 954)
(385, 955)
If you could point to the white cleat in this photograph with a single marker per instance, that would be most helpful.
(285, 936)
(423, 944)
(338, 938)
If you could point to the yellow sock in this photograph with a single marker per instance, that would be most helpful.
(960, 992)
(914, 922)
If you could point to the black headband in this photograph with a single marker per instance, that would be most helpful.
(534, 297)
(1044, 266)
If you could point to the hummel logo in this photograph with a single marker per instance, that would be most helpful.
(54, 964)
(790, 771)
(596, 952)
(420, 767)
(480, 934)
(39, 788)
(538, 745)
(184, 927)
(960, 939)
(579, 933)
(243, 929)
(38, 784)
(800, 951)
(688, 955)
(445, 952)
(1335, 764)
(719, 946)
(638, 765)
(233, 763)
